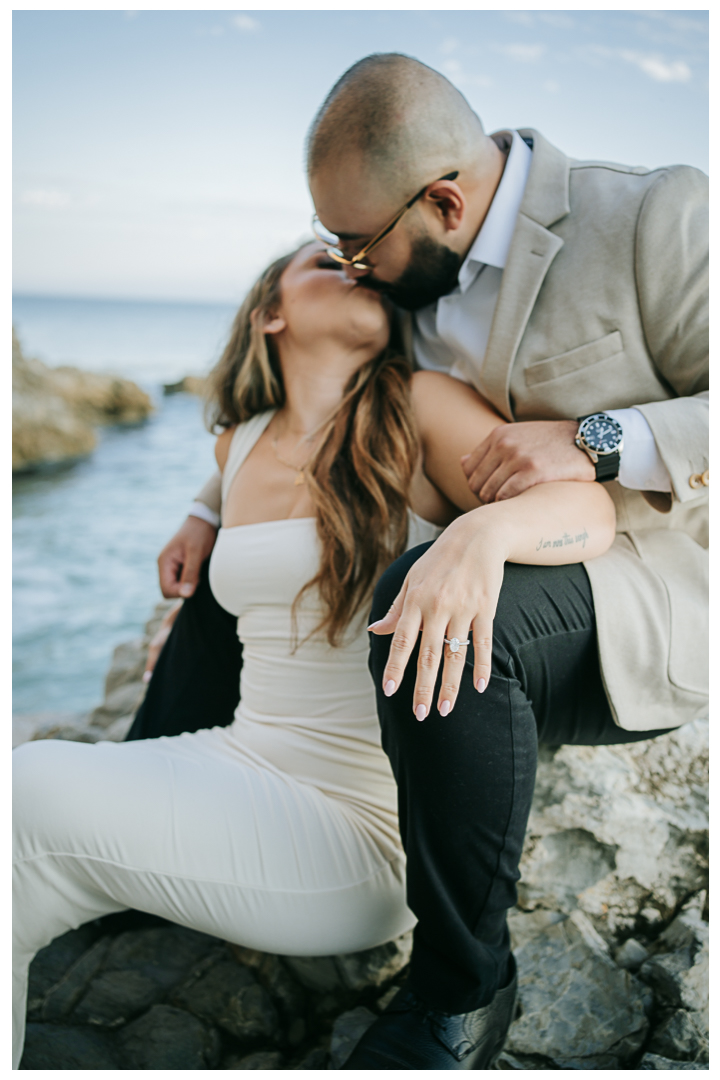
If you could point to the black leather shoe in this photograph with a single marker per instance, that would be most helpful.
(411, 1035)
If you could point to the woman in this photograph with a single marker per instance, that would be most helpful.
(280, 832)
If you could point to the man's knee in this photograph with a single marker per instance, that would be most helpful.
(392, 580)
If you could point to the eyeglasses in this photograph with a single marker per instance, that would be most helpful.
(332, 241)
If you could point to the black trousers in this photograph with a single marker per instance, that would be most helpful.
(465, 781)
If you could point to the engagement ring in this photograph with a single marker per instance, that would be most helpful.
(455, 643)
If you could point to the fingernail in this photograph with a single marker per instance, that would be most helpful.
(147, 676)
(480, 686)
(187, 589)
(421, 712)
(444, 708)
(373, 624)
(464, 457)
(389, 688)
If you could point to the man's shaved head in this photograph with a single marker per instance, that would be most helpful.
(406, 123)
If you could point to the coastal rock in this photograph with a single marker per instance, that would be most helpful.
(229, 995)
(347, 1032)
(318, 1058)
(619, 831)
(678, 966)
(100, 399)
(577, 1008)
(353, 971)
(127, 664)
(55, 410)
(654, 1061)
(190, 384)
(631, 955)
(121, 701)
(62, 1046)
(168, 1038)
(53, 962)
(261, 1059)
(682, 1037)
(61, 999)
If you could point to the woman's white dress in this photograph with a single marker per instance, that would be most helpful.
(278, 832)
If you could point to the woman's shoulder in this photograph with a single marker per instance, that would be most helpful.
(222, 445)
(240, 438)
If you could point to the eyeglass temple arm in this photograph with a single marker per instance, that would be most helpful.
(388, 228)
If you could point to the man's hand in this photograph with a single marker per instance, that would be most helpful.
(180, 560)
(517, 456)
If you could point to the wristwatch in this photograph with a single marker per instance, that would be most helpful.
(601, 437)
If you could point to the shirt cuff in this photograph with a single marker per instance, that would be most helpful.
(200, 510)
(641, 467)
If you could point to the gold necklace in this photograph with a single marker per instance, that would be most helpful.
(300, 473)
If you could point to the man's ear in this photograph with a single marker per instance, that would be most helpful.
(449, 200)
(271, 324)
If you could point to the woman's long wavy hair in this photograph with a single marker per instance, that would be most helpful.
(360, 472)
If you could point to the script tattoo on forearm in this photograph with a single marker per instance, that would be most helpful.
(563, 541)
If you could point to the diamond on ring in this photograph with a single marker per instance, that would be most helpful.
(455, 643)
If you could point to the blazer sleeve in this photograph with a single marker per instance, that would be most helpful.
(210, 494)
(671, 255)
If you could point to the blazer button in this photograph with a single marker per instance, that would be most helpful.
(706, 478)
(695, 480)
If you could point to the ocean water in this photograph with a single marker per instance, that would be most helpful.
(86, 537)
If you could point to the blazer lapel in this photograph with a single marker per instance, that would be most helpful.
(532, 251)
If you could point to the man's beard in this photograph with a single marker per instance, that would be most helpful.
(431, 273)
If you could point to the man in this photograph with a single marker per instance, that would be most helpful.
(561, 290)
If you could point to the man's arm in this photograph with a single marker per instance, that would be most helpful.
(672, 283)
(180, 560)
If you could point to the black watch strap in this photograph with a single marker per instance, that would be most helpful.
(607, 466)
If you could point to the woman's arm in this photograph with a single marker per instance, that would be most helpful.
(454, 587)
(563, 522)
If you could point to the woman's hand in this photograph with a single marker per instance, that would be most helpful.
(452, 589)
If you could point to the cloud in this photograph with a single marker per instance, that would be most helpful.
(657, 67)
(245, 23)
(50, 198)
(449, 45)
(457, 73)
(525, 54)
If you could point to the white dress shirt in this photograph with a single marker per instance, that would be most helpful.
(453, 332)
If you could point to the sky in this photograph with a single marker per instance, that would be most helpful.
(159, 154)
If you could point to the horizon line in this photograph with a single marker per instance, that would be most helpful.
(84, 297)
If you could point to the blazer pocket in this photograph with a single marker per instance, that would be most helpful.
(574, 360)
(681, 564)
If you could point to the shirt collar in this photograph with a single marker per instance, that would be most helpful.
(492, 244)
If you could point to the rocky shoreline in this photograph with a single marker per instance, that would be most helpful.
(610, 936)
(55, 411)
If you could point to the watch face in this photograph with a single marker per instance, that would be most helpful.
(602, 434)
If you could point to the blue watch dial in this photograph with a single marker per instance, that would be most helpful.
(602, 434)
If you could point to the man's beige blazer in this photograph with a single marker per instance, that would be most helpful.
(604, 305)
